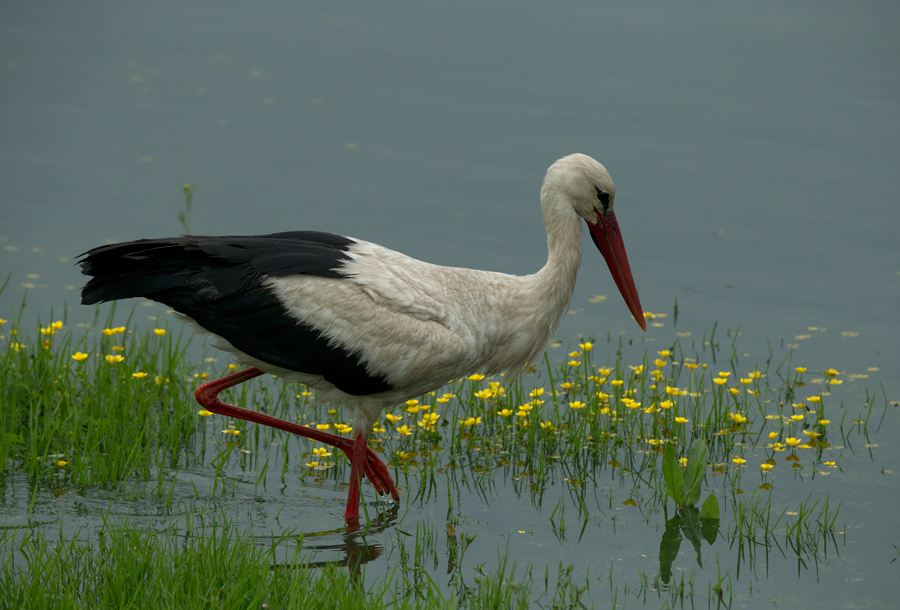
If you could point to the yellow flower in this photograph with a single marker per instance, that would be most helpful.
(766, 466)
(79, 356)
(719, 381)
(691, 365)
(393, 418)
(682, 420)
(505, 412)
(830, 464)
(577, 405)
(521, 413)
(323, 426)
(2, 321)
(481, 394)
(773, 435)
(343, 428)
(377, 429)
(637, 369)
(797, 417)
(114, 359)
(321, 452)
(724, 374)
(683, 462)
(603, 371)
(118, 348)
(746, 380)
(470, 422)
(568, 385)
(755, 375)
(404, 430)
(660, 363)
(738, 460)
(586, 346)
(737, 418)
(443, 400)
(475, 377)
(204, 413)
(548, 425)
(139, 375)
(734, 391)
(835, 381)
(792, 442)
(574, 354)
(429, 420)
(61, 463)
(412, 403)
(113, 331)
(665, 353)
(159, 331)
(233, 367)
(232, 432)
(574, 363)
(536, 393)
(617, 382)
(666, 404)
(824, 422)
(800, 369)
(831, 373)
(312, 464)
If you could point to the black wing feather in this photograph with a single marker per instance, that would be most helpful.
(219, 283)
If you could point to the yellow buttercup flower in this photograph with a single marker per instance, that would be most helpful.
(79, 356)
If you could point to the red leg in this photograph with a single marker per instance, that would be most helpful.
(362, 458)
(357, 459)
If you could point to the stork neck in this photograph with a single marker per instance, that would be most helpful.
(556, 280)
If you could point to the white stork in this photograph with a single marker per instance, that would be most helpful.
(366, 326)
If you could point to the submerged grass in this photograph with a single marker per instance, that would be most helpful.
(111, 407)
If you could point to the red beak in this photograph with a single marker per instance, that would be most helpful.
(608, 239)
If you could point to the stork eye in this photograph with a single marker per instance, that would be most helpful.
(603, 198)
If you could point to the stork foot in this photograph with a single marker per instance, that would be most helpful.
(364, 461)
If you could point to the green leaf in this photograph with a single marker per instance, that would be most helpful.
(690, 527)
(668, 548)
(709, 519)
(672, 474)
(694, 473)
(710, 508)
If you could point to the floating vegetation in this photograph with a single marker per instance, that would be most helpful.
(589, 446)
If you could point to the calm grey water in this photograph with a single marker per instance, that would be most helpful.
(754, 149)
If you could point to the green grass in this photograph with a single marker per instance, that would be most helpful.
(566, 424)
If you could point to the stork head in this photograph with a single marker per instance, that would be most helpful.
(587, 186)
